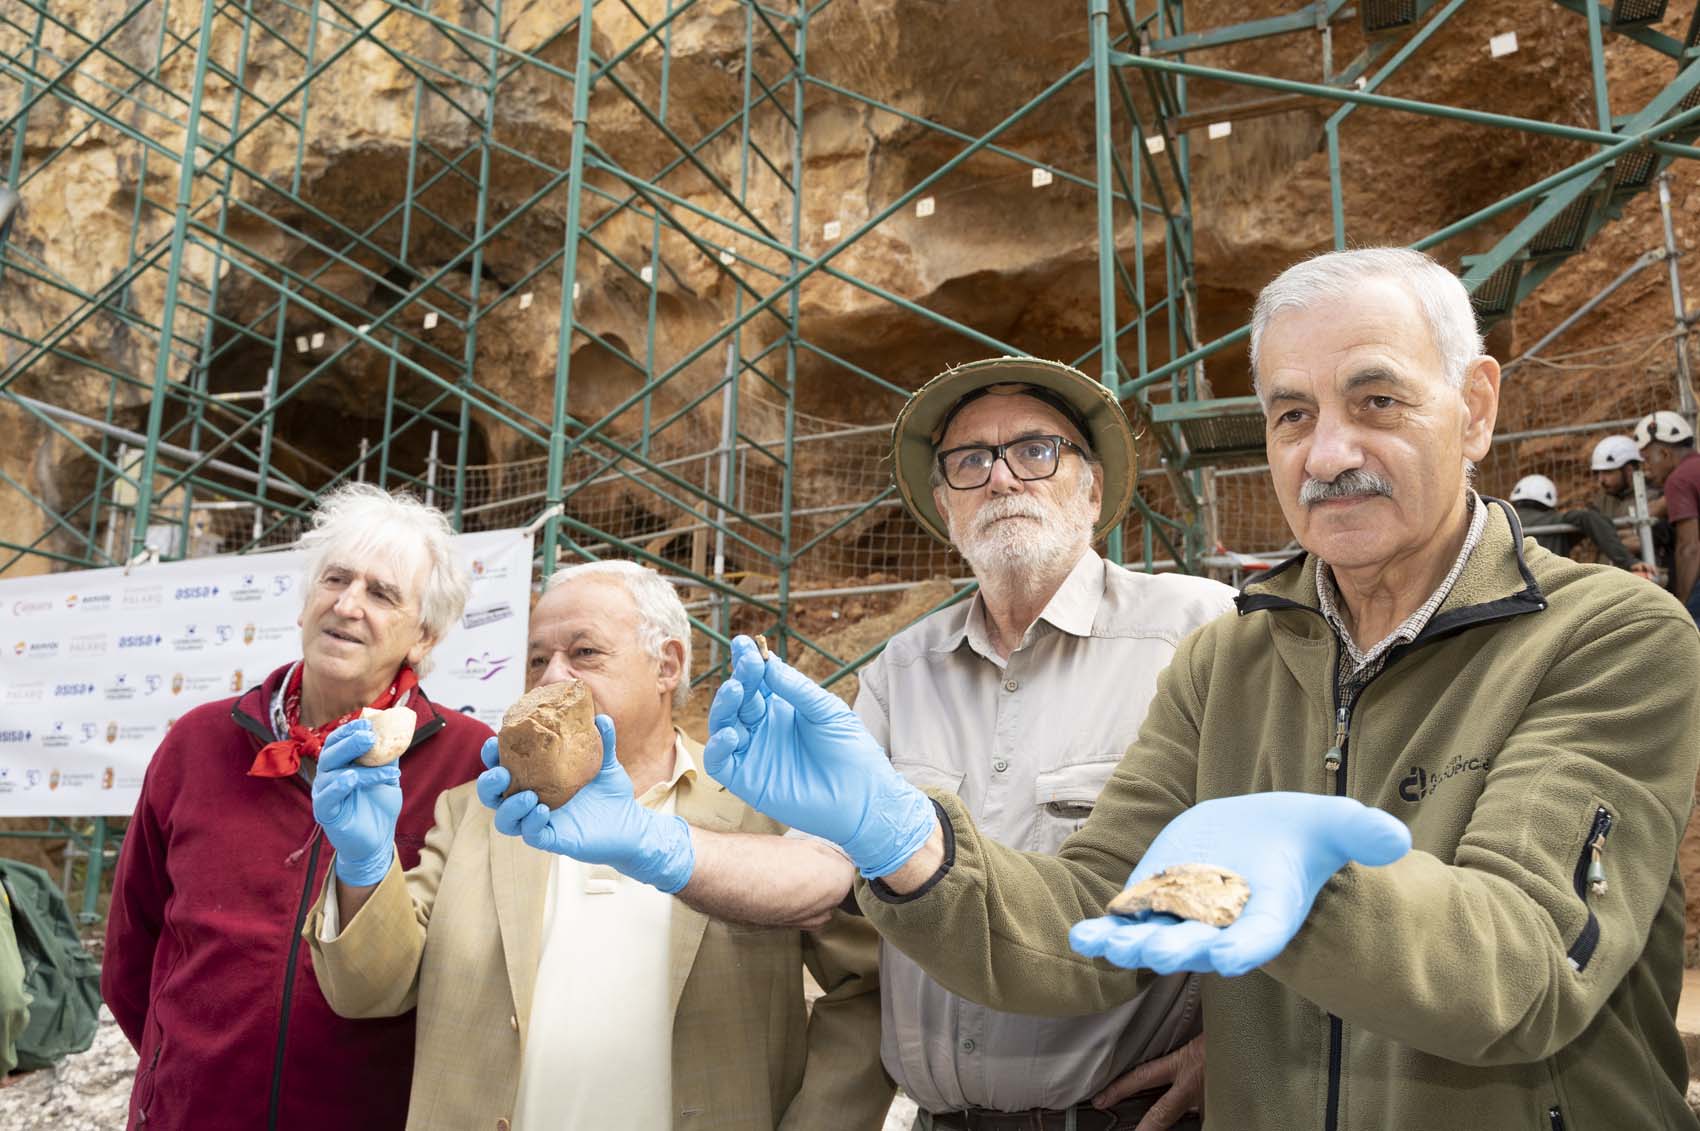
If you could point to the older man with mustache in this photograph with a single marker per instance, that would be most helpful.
(1451, 767)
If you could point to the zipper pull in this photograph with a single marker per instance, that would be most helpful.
(1596, 871)
(1331, 760)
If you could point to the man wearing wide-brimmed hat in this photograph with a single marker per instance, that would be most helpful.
(1022, 701)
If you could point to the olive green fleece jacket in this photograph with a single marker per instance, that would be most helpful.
(1477, 983)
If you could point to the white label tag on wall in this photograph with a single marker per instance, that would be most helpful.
(1504, 44)
(924, 206)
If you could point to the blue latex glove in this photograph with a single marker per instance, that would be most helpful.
(794, 751)
(357, 806)
(600, 824)
(1285, 845)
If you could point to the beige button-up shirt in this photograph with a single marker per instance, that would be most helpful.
(1027, 745)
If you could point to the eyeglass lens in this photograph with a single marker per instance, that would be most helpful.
(1032, 458)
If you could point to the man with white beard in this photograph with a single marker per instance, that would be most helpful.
(1022, 701)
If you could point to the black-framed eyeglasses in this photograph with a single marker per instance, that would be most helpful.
(1029, 458)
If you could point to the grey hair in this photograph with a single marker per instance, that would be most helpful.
(358, 522)
(1332, 277)
(661, 615)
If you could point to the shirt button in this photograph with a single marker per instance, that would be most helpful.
(1010, 684)
(968, 1045)
(1000, 765)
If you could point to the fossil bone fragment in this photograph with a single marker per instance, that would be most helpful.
(1191, 891)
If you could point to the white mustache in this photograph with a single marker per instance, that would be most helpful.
(1010, 506)
(1350, 484)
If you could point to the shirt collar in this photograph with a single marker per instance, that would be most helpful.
(1327, 595)
(1073, 609)
(683, 766)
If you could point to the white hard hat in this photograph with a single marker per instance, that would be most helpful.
(1613, 452)
(1665, 427)
(1535, 488)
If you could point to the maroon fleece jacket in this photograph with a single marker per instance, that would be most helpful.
(204, 967)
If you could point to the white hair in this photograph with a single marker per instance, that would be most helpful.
(661, 615)
(357, 523)
(1332, 277)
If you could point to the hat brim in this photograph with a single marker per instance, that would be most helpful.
(912, 436)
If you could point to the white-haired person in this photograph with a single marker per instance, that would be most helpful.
(205, 969)
(555, 992)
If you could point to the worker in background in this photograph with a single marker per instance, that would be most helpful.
(1535, 498)
(1666, 441)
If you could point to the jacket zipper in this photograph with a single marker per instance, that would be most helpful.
(1334, 763)
(1590, 879)
(1555, 1119)
(289, 984)
(153, 1064)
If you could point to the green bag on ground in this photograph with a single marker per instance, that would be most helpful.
(60, 991)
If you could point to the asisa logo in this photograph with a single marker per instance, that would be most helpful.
(483, 666)
(15, 735)
(142, 640)
(194, 592)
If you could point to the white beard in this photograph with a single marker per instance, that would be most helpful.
(1031, 551)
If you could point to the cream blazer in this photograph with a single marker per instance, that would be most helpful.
(460, 935)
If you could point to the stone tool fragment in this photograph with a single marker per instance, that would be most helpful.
(549, 742)
(394, 731)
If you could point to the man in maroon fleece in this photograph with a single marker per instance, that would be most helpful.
(205, 969)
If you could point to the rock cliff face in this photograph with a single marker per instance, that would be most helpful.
(1009, 261)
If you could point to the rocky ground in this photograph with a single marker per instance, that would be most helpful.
(86, 1092)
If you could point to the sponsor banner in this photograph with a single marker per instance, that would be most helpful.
(96, 667)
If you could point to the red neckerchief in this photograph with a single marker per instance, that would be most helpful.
(282, 759)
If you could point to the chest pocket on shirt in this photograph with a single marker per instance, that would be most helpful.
(924, 775)
(1065, 796)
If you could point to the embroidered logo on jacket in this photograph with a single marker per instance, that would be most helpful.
(1420, 783)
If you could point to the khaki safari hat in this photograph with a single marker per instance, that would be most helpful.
(1089, 406)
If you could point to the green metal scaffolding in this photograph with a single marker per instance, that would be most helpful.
(171, 83)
